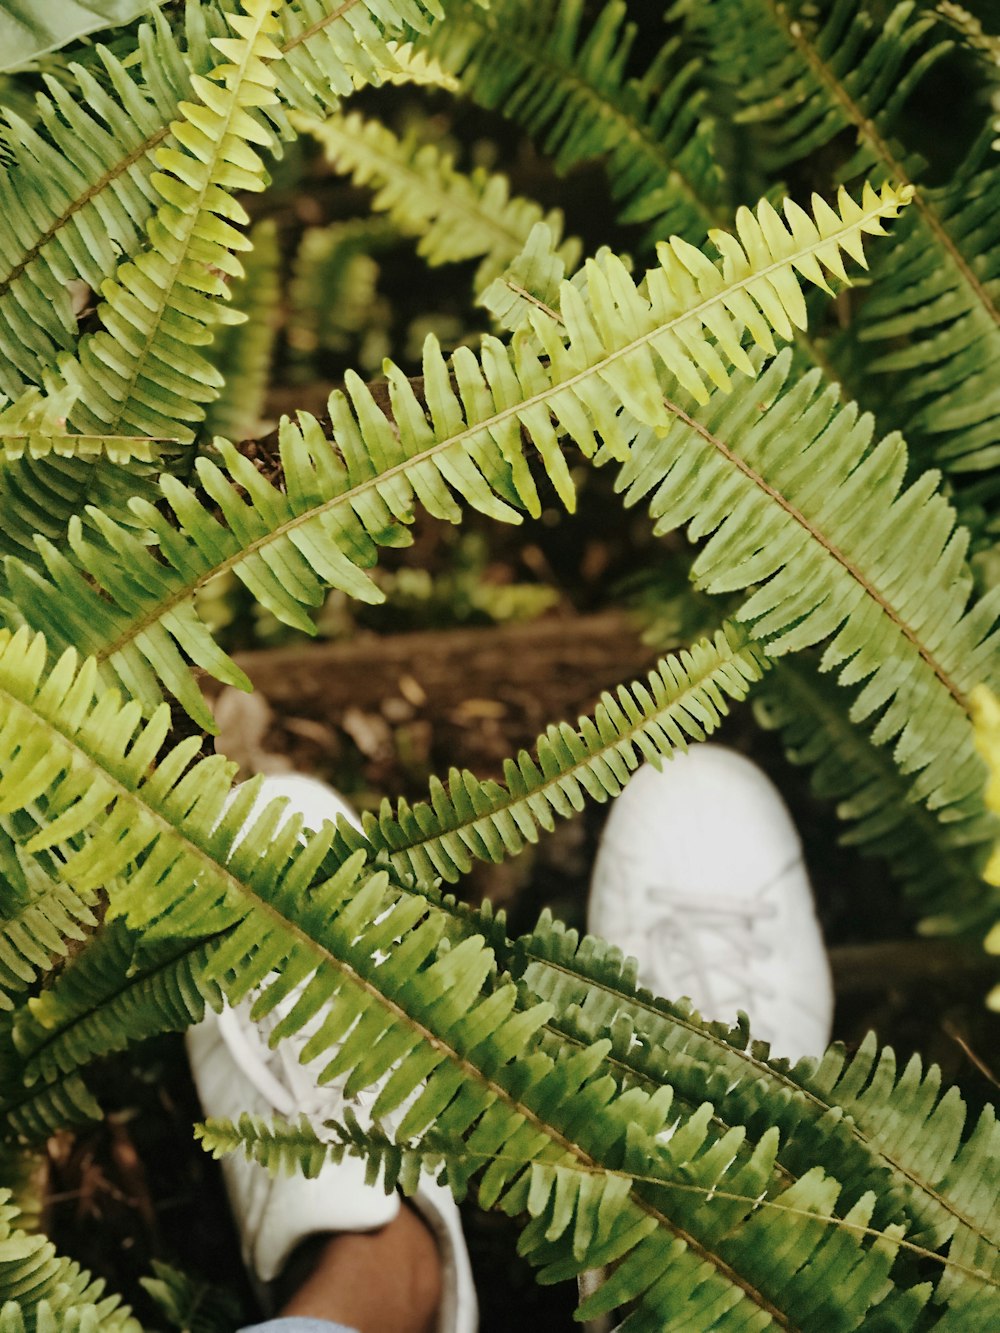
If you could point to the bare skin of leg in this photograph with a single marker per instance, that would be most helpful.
(386, 1281)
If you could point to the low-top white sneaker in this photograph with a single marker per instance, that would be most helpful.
(235, 1070)
(700, 877)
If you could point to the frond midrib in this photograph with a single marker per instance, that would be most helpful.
(154, 614)
(868, 130)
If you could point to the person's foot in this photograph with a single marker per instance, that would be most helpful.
(700, 877)
(235, 1070)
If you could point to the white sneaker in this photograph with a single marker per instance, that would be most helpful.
(700, 877)
(235, 1071)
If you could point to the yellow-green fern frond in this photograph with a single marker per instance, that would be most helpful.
(77, 184)
(117, 992)
(429, 1021)
(410, 66)
(35, 425)
(464, 437)
(456, 216)
(41, 918)
(142, 372)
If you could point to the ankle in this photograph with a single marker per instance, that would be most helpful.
(385, 1281)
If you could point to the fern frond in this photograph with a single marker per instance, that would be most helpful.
(800, 510)
(937, 863)
(75, 195)
(241, 353)
(142, 371)
(455, 215)
(277, 1145)
(941, 290)
(533, 278)
(34, 933)
(190, 1304)
(985, 45)
(938, 286)
(40, 1292)
(29, 1115)
(397, 1006)
(34, 426)
(564, 78)
(877, 1128)
(79, 184)
(118, 992)
(336, 508)
(328, 51)
(684, 698)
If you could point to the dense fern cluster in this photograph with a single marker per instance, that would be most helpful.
(139, 312)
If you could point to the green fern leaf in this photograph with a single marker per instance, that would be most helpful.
(81, 186)
(119, 991)
(162, 304)
(355, 944)
(938, 285)
(938, 863)
(794, 449)
(566, 79)
(895, 1136)
(35, 426)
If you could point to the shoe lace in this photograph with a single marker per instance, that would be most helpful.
(709, 946)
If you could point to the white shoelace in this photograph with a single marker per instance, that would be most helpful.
(707, 946)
